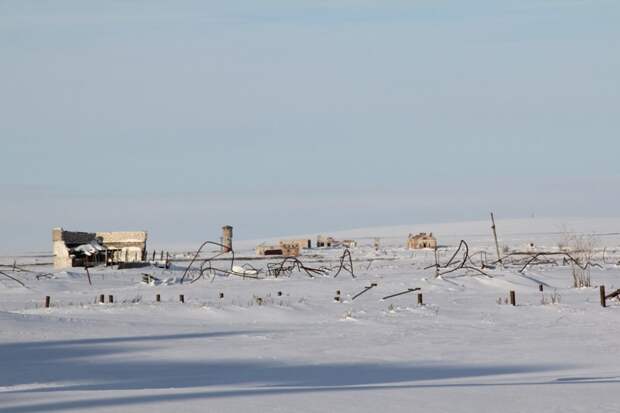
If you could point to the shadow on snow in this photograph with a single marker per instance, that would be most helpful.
(92, 364)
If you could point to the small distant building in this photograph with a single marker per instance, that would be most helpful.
(284, 249)
(421, 240)
(349, 243)
(78, 249)
(303, 244)
(325, 242)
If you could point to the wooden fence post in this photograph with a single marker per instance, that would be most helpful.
(111, 299)
(182, 298)
(47, 301)
(603, 299)
(513, 298)
(102, 299)
(158, 298)
(420, 300)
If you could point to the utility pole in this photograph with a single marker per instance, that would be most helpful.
(499, 257)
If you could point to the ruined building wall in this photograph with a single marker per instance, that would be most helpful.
(122, 246)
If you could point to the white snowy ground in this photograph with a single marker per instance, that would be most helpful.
(304, 352)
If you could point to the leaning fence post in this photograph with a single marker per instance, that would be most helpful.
(513, 298)
(603, 299)
(47, 301)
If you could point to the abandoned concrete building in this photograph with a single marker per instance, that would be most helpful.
(303, 244)
(325, 242)
(421, 240)
(78, 249)
(284, 249)
(349, 243)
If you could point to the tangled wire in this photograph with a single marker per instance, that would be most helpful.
(206, 265)
(290, 264)
(452, 265)
(286, 267)
(534, 258)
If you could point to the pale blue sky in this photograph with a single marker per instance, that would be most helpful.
(283, 117)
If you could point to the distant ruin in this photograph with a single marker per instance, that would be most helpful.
(283, 249)
(303, 244)
(324, 242)
(421, 241)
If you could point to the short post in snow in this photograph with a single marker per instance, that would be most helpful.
(603, 297)
(181, 298)
(111, 299)
(48, 300)
(540, 288)
(158, 298)
(101, 299)
(221, 296)
(513, 298)
(420, 300)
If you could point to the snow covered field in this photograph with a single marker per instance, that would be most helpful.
(302, 351)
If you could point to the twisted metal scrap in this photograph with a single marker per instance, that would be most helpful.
(206, 264)
(346, 264)
(12, 278)
(535, 255)
(290, 264)
(462, 265)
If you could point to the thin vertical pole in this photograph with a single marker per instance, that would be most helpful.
(494, 228)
